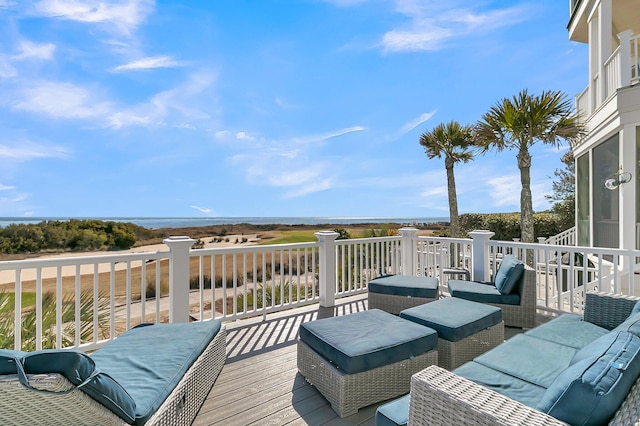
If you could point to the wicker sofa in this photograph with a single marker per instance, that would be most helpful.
(150, 375)
(586, 366)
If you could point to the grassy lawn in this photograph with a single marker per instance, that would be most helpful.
(296, 236)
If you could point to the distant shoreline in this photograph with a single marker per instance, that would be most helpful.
(189, 222)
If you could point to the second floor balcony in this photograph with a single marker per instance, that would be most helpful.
(620, 70)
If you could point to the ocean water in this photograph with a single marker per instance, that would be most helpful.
(183, 222)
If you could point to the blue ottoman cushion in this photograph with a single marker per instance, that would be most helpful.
(394, 413)
(453, 318)
(405, 285)
(480, 292)
(366, 340)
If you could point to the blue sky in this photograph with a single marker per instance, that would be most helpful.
(266, 107)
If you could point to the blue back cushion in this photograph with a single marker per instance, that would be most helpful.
(8, 360)
(77, 367)
(594, 386)
(508, 274)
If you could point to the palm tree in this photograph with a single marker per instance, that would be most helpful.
(520, 122)
(451, 141)
(48, 321)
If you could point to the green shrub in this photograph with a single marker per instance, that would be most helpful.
(507, 225)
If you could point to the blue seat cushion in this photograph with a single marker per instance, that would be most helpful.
(80, 370)
(481, 292)
(454, 318)
(517, 389)
(405, 285)
(149, 361)
(528, 358)
(569, 330)
(592, 389)
(366, 340)
(394, 413)
(508, 274)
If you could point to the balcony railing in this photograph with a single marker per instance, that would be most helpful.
(85, 301)
(621, 69)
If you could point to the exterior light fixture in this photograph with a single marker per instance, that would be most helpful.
(617, 179)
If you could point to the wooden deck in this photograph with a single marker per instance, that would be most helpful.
(260, 383)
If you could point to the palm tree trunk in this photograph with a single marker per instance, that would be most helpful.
(454, 220)
(526, 204)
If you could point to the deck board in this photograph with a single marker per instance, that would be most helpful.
(260, 384)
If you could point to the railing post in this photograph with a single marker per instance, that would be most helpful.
(179, 277)
(625, 58)
(408, 246)
(327, 272)
(481, 270)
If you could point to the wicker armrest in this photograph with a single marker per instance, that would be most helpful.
(440, 397)
(608, 310)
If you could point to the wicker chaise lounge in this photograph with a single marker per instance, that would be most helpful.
(152, 375)
(600, 384)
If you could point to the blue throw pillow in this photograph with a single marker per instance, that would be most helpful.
(508, 274)
(80, 370)
(591, 389)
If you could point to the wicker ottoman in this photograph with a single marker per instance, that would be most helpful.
(359, 359)
(393, 293)
(465, 329)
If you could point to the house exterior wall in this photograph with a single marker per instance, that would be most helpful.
(610, 108)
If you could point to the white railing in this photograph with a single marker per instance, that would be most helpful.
(621, 69)
(437, 257)
(239, 282)
(582, 103)
(360, 260)
(565, 273)
(565, 238)
(83, 302)
(613, 79)
(635, 59)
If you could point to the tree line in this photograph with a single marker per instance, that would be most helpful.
(70, 235)
(515, 123)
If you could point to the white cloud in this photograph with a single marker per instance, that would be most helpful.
(343, 132)
(202, 209)
(30, 50)
(122, 16)
(505, 191)
(25, 150)
(438, 191)
(417, 121)
(243, 136)
(431, 24)
(149, 63)
(173, 105)
(59, 100)
(6, 187)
